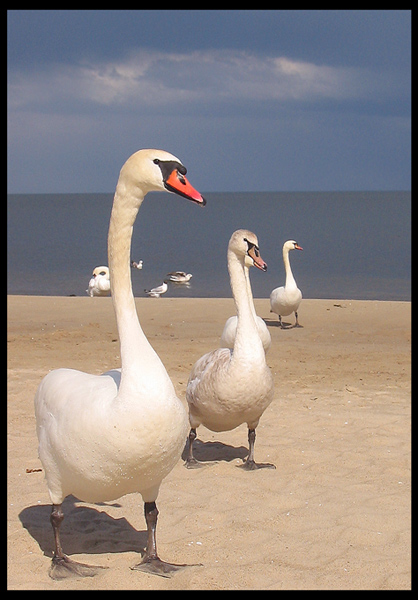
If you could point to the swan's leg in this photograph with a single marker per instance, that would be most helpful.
(250, 464)
(151, 563)
(63, 567)
(296, 322)
(191, 462)
(281, 322)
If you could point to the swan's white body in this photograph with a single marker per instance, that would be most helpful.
(286, 299)
(227, 388)
(103, 436)
(179, 277)
(157, 291)
(99, 284)
(230, 328)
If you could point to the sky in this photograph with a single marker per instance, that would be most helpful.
(282, 100)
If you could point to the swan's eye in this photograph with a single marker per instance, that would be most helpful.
(156, 161)
(102, 273)
(251, 246)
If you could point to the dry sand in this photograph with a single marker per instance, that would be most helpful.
(335, 514)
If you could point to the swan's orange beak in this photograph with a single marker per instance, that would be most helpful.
(177, 183)
(297, 247)
(256, 258)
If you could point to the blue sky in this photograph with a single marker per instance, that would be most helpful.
(248, 100)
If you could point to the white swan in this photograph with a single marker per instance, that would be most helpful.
(230, 327)
(179, 276)
(157, 291)
(286, 299)
(227, 388)
(103, 436)
(99, 284)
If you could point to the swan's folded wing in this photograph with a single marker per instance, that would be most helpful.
(206, 370)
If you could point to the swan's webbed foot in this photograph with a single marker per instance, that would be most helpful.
(63, 567)
(156, 566)
(192, 463)
(297, 322)
(251, 465)
(151, 563)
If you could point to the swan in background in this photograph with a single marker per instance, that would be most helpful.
(99, 284)
(227, 388)
(157, 291)
(230, 328)
(179, 276)
(137, 265)
(104, 436)
(285, 300)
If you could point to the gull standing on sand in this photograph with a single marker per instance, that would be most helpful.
(227, 388)
(285, 300)
(157, 291)
(104, 436)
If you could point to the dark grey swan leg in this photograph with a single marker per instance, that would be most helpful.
(62, 566)
(250, 464)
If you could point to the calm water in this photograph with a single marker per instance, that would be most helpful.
(357, 245)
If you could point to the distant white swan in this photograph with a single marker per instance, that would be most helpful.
(285, 300)
(227, 388)
(157, 291)
(230, 328)
(99, 284)
(137, 265)
(104, 436)
(179, 276)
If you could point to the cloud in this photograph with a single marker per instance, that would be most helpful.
(150, 80)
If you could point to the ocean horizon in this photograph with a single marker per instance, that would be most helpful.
(356, 245)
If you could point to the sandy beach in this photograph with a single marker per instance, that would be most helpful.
(335, 514)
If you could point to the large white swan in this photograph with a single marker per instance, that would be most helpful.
(103, 436)
(99, 284)
(227, 388)
(230, 327)
(285, 300)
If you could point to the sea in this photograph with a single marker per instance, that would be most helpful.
(356, 245)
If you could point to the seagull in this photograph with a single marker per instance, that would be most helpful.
(179, 276)
(157, 291)
(137, 265)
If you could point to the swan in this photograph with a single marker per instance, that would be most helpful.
(99, 284)
(137, 265)
(286, 299)
(104, 436)
(179, 276)
(230, 327)
(227, 388)
(157, 291)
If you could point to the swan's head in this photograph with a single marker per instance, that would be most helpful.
(291, 245)
(244, 244)
(101, 272)
(157, 170)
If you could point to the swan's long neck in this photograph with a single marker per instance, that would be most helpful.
(249, 290)
(247, 340)
(290, 280)
(142, 369)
